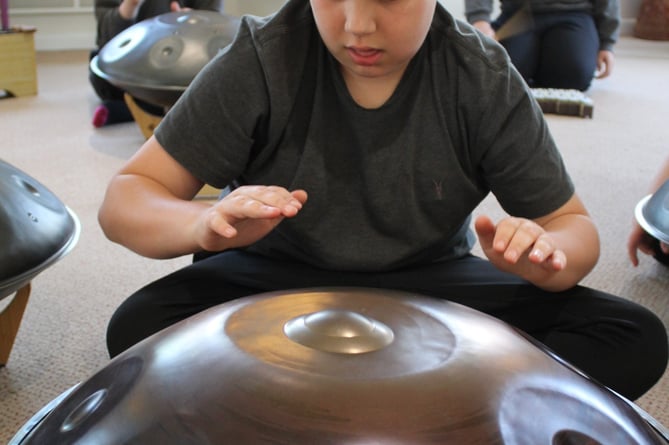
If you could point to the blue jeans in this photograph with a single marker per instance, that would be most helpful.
(559, 51)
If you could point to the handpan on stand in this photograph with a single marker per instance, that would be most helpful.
(156, 59)
(36, 230)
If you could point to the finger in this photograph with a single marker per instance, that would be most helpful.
(300, 195)
(632, 254)
(504, 233)
(523, 236)
(263, 199)
(242, 206)
(218, 224)
(558, 260)
(632, 242)
(485, 230)
(288, 203)
(542, 249)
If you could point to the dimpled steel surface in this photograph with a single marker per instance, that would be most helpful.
(398, 368)
(36, 228)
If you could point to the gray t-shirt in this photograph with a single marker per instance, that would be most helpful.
(389, 187)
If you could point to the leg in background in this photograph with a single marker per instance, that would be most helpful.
(523, 49)
(569, 48)
(113, 109)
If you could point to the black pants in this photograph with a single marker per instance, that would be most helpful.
(559, 51)
(616, 342)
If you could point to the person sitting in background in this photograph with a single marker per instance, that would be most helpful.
(639, 239)
(362, 134)
(113, 16)
(554, 44)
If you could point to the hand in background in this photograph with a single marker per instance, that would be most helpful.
(128, 8)
(604, 64)
(485, 28)
(175, 6)
(639, 239)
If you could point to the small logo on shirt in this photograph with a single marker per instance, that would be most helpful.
(438, 189)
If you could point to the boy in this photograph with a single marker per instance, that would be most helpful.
(396, 120)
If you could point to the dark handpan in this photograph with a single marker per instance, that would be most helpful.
(156, 59)
(340, 366)
(36, 228)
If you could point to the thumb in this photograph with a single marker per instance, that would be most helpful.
(485, 230)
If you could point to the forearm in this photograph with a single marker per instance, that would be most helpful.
(143, 216)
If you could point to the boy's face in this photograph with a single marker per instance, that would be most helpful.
(373, 38)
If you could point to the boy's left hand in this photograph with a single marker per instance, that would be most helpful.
(519, 246)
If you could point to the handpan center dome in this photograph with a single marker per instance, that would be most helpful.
(339, 331)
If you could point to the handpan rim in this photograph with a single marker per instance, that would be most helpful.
(11, 285)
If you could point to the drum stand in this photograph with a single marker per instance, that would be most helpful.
(10, 320)
(147, 123)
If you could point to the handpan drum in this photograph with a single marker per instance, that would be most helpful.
(652, 213)
(36, 229)
(156, 59)
(344, 366)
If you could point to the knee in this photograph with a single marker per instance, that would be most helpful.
(133, 321)
(651, 350)
(569, 78)
(120, 332)
(577, 80)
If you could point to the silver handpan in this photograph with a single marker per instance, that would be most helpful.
(652, 213)
(341, 366)
(36, 228)
(156, 59)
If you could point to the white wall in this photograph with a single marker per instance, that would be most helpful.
(73, 27)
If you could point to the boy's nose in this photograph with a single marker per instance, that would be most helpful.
(360, 17)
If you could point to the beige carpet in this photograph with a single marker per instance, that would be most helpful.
(49, 136)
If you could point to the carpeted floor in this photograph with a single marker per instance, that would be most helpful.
(61, 341)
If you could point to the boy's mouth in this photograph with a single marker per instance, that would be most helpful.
(364, 55)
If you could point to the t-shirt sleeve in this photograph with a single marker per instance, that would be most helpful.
(511, 144)
(210, 130)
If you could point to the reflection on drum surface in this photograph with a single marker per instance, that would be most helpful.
(341, 366)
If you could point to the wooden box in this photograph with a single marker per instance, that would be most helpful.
(18, 69)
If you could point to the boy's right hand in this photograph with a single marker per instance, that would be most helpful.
(246, 215)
